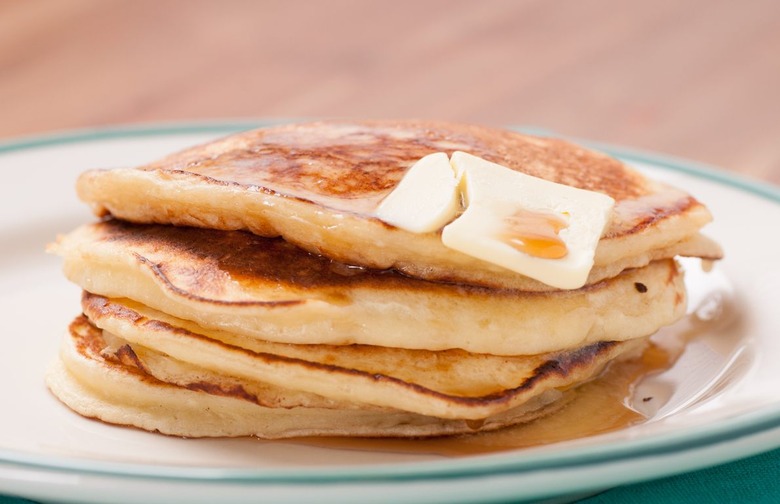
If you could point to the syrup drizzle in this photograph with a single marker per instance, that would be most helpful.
(597, 407)
(622, 396)
(536, 233)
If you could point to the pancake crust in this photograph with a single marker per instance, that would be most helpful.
(98, 384)
(270, 290)
(446, 384)
(317, 185)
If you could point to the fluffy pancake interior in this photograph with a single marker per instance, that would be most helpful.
(271, 290)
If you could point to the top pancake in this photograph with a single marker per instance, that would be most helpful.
(318, 184)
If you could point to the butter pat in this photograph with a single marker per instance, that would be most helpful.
(528, 225)
(426, 198)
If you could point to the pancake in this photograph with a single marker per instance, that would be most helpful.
(269, 289)
(246, 286)
(318, 184)
(446, 384)
(99, 384)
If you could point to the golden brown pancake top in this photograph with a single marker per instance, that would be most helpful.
(365, 160)
(318, 186)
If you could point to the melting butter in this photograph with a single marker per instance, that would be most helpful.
(426, 198)
(559, 226)
(540, 229)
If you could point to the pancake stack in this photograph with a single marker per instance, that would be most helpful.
(246, 287)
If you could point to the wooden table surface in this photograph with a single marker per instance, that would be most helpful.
(698, 79)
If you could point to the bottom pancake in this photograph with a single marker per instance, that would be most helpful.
(111, 387)
(451, 383)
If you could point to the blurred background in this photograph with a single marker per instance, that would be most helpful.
(698, 79)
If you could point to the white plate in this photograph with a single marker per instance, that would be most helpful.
(721, 398)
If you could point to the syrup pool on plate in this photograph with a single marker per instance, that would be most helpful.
(625, 394)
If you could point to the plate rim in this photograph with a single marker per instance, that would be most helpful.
(731, 429)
